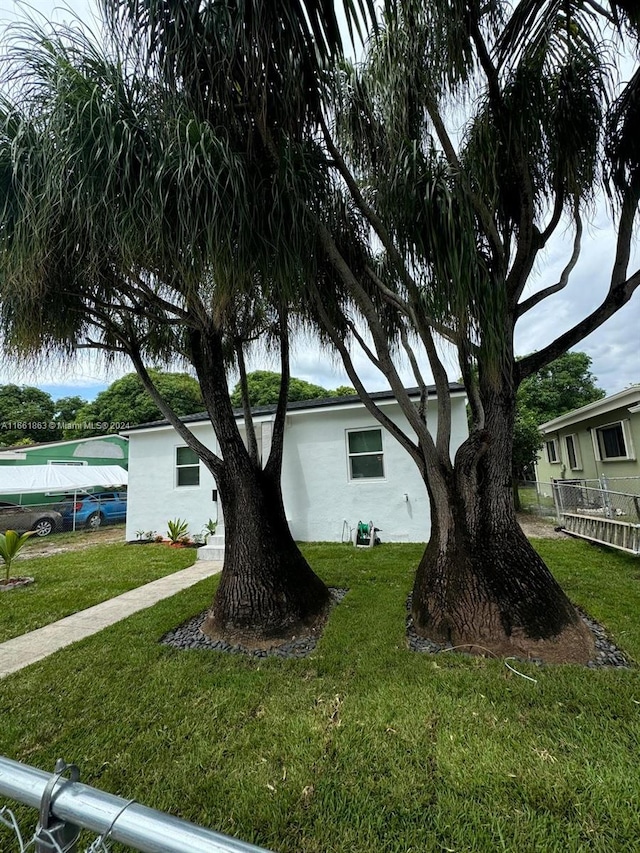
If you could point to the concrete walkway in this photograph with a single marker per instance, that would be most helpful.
(29, 648)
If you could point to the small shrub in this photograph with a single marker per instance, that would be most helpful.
(178, 531)
(10, 544)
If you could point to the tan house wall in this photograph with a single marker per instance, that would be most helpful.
(583, 432)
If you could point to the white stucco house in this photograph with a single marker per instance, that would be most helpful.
(340, 466)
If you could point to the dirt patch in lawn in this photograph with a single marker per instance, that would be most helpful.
(60, 543)
(536, 527)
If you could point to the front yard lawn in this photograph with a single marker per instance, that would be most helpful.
(364, 745)
(67, 583)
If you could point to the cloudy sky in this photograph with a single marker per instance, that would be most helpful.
(614, 348)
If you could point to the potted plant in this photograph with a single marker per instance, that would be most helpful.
(10, 544)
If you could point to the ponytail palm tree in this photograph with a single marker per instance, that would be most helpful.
(471, 135)
(132, 225)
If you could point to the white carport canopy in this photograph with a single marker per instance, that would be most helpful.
(23, 479)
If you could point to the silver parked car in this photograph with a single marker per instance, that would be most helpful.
(41, 520)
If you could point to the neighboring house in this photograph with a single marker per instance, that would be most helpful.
(340, 467)
(99, 450)
(599, 439)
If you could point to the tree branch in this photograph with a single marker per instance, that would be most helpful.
(212, 461)
(252, 443)
(274, 463)
(363, 344)
(614, 301)
(405, 307)
(620, 292)
(471, 384)
(413, 361)
(437, 452)
(481, 210)
(558, 207)
(411, 447)
(389, 295)
(532, 301)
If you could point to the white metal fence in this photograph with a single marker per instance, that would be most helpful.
(66, 806)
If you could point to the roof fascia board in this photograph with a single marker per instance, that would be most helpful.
(266, 417)
(47, 444)
(601, 407)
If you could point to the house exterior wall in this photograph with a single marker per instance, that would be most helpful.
(583, 430)
(322, 501)
(154, 498)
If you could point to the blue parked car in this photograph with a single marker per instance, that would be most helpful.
(93, 510)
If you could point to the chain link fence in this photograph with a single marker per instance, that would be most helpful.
(606, 511)
(537, 499)
(64, 512)
(607, 497)
(600, 498)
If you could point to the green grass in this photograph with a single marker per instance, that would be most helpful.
(364, 746)
(67, 583)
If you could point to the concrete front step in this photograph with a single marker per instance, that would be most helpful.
(214, 549)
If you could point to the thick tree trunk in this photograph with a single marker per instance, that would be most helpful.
(480, 584)
(267, 591)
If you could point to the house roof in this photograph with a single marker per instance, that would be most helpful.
(455, 389)
(629, 399)
(25, 448)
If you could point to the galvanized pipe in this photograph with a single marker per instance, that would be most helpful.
(137, 826)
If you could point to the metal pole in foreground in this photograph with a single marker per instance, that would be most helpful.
(137, 826)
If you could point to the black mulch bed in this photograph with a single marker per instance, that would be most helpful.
(608, 654)
(189, 636)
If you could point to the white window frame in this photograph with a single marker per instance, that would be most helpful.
(626, 437)
(351, 455)
(576, 451)
(177, 467)
(556, 450)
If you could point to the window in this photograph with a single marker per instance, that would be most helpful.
(573, 452)
(365, 454)
(552, 450)
(187, 467)
(613, 442)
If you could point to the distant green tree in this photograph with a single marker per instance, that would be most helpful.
(565, 384)
(264, 387)
(344, 391)
(25, 415)
(527, 443)
(67, 408)
(125, 401)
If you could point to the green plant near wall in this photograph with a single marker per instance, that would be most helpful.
(10, 544)
(177, 530)
(209, 528)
